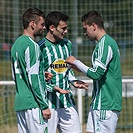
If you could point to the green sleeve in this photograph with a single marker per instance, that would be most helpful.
(36, 77)
(95, 74)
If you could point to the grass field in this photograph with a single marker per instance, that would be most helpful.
(8, 117)
(5, 70)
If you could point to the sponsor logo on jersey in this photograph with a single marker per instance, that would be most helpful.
(59, 66)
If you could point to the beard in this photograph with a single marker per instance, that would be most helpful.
(39, 33)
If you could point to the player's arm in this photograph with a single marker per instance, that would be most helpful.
(52, 87)
(72, 79)
(48, 75)
(99, 66)
(35, 75)
(93, 73)
(80, 84)
(75, 82)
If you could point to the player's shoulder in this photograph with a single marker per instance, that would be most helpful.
(23, 40)
(110, 40)
(41, 42)
(65, 41)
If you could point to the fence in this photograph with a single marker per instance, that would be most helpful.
(8, 119)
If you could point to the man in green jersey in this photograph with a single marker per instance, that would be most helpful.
(55, 50)
(106, 74)
(30, 100)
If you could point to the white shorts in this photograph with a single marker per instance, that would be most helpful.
(66, 119)
(102, 121)
(31, 121)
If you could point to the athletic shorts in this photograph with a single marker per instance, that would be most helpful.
(102, 121)
(31, 121)
(65, 119)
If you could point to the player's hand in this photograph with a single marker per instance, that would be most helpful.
(80, 84)
(48, 75)
(70, 60)
(46, 114)
(56, 88)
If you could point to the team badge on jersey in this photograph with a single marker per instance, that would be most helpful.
(59, 66)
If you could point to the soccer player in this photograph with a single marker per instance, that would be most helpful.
(55, 50)
(106, 74)
(30, 100)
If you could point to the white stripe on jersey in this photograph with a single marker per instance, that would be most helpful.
(62, 56)
(49, 62)
(67, 52)
(35, 68)
(99, 63)
(27, 59)
(37, 49)
(57, 79)
(61, 52)
(101, 48)
(94, 98)
(99, 101)
(49, 56)
(110, 55)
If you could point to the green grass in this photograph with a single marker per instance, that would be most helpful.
(125, 121)
(8, 117)
(5, 70)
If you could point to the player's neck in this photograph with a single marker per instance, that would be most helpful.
(51, 38)
(28, 33)
(100, 34)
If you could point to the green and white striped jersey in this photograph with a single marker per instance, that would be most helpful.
(54, 57)
(28, 74)
(106, 74)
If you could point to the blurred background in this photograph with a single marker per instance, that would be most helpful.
(118, 18)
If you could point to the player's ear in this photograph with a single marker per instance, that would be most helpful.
(94, 26)
(32, 25)
(51, 28)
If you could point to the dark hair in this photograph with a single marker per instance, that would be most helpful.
(31, 14)
(93, 17)
(53, 18)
